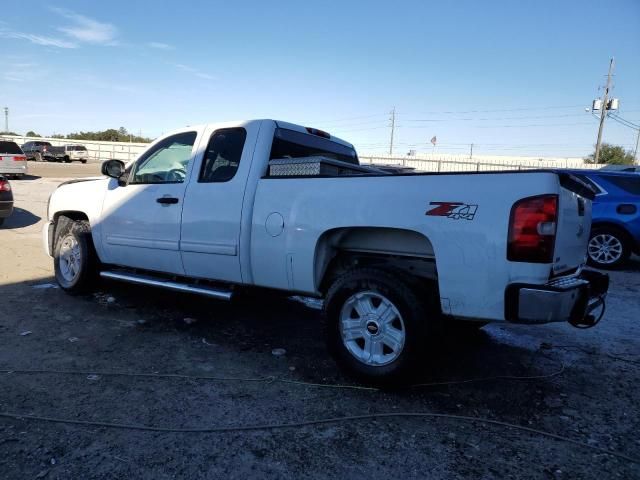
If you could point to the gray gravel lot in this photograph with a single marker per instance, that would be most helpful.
(588, 390)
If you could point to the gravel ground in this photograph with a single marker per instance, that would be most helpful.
(588, 391)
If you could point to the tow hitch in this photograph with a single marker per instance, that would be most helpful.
(590, 320)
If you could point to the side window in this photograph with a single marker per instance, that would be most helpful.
(222, 156)
(630, 183)
(167, 162)
(589, 182)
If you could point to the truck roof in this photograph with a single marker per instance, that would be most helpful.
(279, 123)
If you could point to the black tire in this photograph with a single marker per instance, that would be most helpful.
(67, 160)
(417, 313)
(86, 266)
(613, 235)
(1, 221)
(83, 161)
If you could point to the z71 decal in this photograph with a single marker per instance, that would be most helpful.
(454, 210)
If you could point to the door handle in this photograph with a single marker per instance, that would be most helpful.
(167, 200)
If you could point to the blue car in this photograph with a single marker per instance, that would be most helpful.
(615, 229)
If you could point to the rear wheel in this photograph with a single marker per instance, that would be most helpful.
(83, 161)
(75, 261)
(608, 247)
(377, 326)
(1, 221)
(67, 160)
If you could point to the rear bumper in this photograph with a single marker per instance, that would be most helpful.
(568, 299)
(17, 168)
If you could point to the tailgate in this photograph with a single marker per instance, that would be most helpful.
(8, 164)
(574, 224)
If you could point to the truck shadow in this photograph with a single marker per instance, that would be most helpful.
(262, 321)
(20, 218)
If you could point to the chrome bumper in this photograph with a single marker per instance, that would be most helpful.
(568, 299)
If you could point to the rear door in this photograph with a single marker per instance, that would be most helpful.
(212, 212)
(574, 224)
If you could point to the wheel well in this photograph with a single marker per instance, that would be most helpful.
(401, 250)
(73, 215)
(66, 215)
(615, 226)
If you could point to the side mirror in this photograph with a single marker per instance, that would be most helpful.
(113, 168)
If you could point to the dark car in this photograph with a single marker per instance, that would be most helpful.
(35, 150)
(615, 228)
(6, 199)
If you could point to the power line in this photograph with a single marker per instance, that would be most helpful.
(498, 118)
(624, 122)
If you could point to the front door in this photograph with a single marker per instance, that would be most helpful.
(141, 220)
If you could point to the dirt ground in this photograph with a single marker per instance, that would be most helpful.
(587, 391)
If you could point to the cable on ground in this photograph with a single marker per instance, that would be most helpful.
(272, 379)
(319, 421)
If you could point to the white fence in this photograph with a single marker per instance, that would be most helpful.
(454, 163)
(100, 151)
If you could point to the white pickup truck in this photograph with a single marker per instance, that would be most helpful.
(265, 203)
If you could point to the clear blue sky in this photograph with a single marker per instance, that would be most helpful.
(517, 75)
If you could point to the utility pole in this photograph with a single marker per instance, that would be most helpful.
(603, 110)
(637, 143)
(393, 127)
(6, 119)
(471, 153)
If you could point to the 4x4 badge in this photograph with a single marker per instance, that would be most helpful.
(454, 210)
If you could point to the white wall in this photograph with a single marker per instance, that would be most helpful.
(100, 151)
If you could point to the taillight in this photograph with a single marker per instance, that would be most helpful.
(20, 158)
(532, 229)
(4, 186)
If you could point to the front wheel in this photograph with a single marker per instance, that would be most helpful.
(74, 260)
(377, 325)
(608, 248)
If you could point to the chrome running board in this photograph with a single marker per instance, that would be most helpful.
(168, 284)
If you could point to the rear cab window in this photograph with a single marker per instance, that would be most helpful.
(293, 144)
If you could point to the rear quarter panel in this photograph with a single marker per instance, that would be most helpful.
(470, 254)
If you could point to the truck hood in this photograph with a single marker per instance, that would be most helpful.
(78, 180)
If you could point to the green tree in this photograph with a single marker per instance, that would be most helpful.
(57, 135)
(613, 155)
(31, 133)
(8, 133)
(109, 135)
